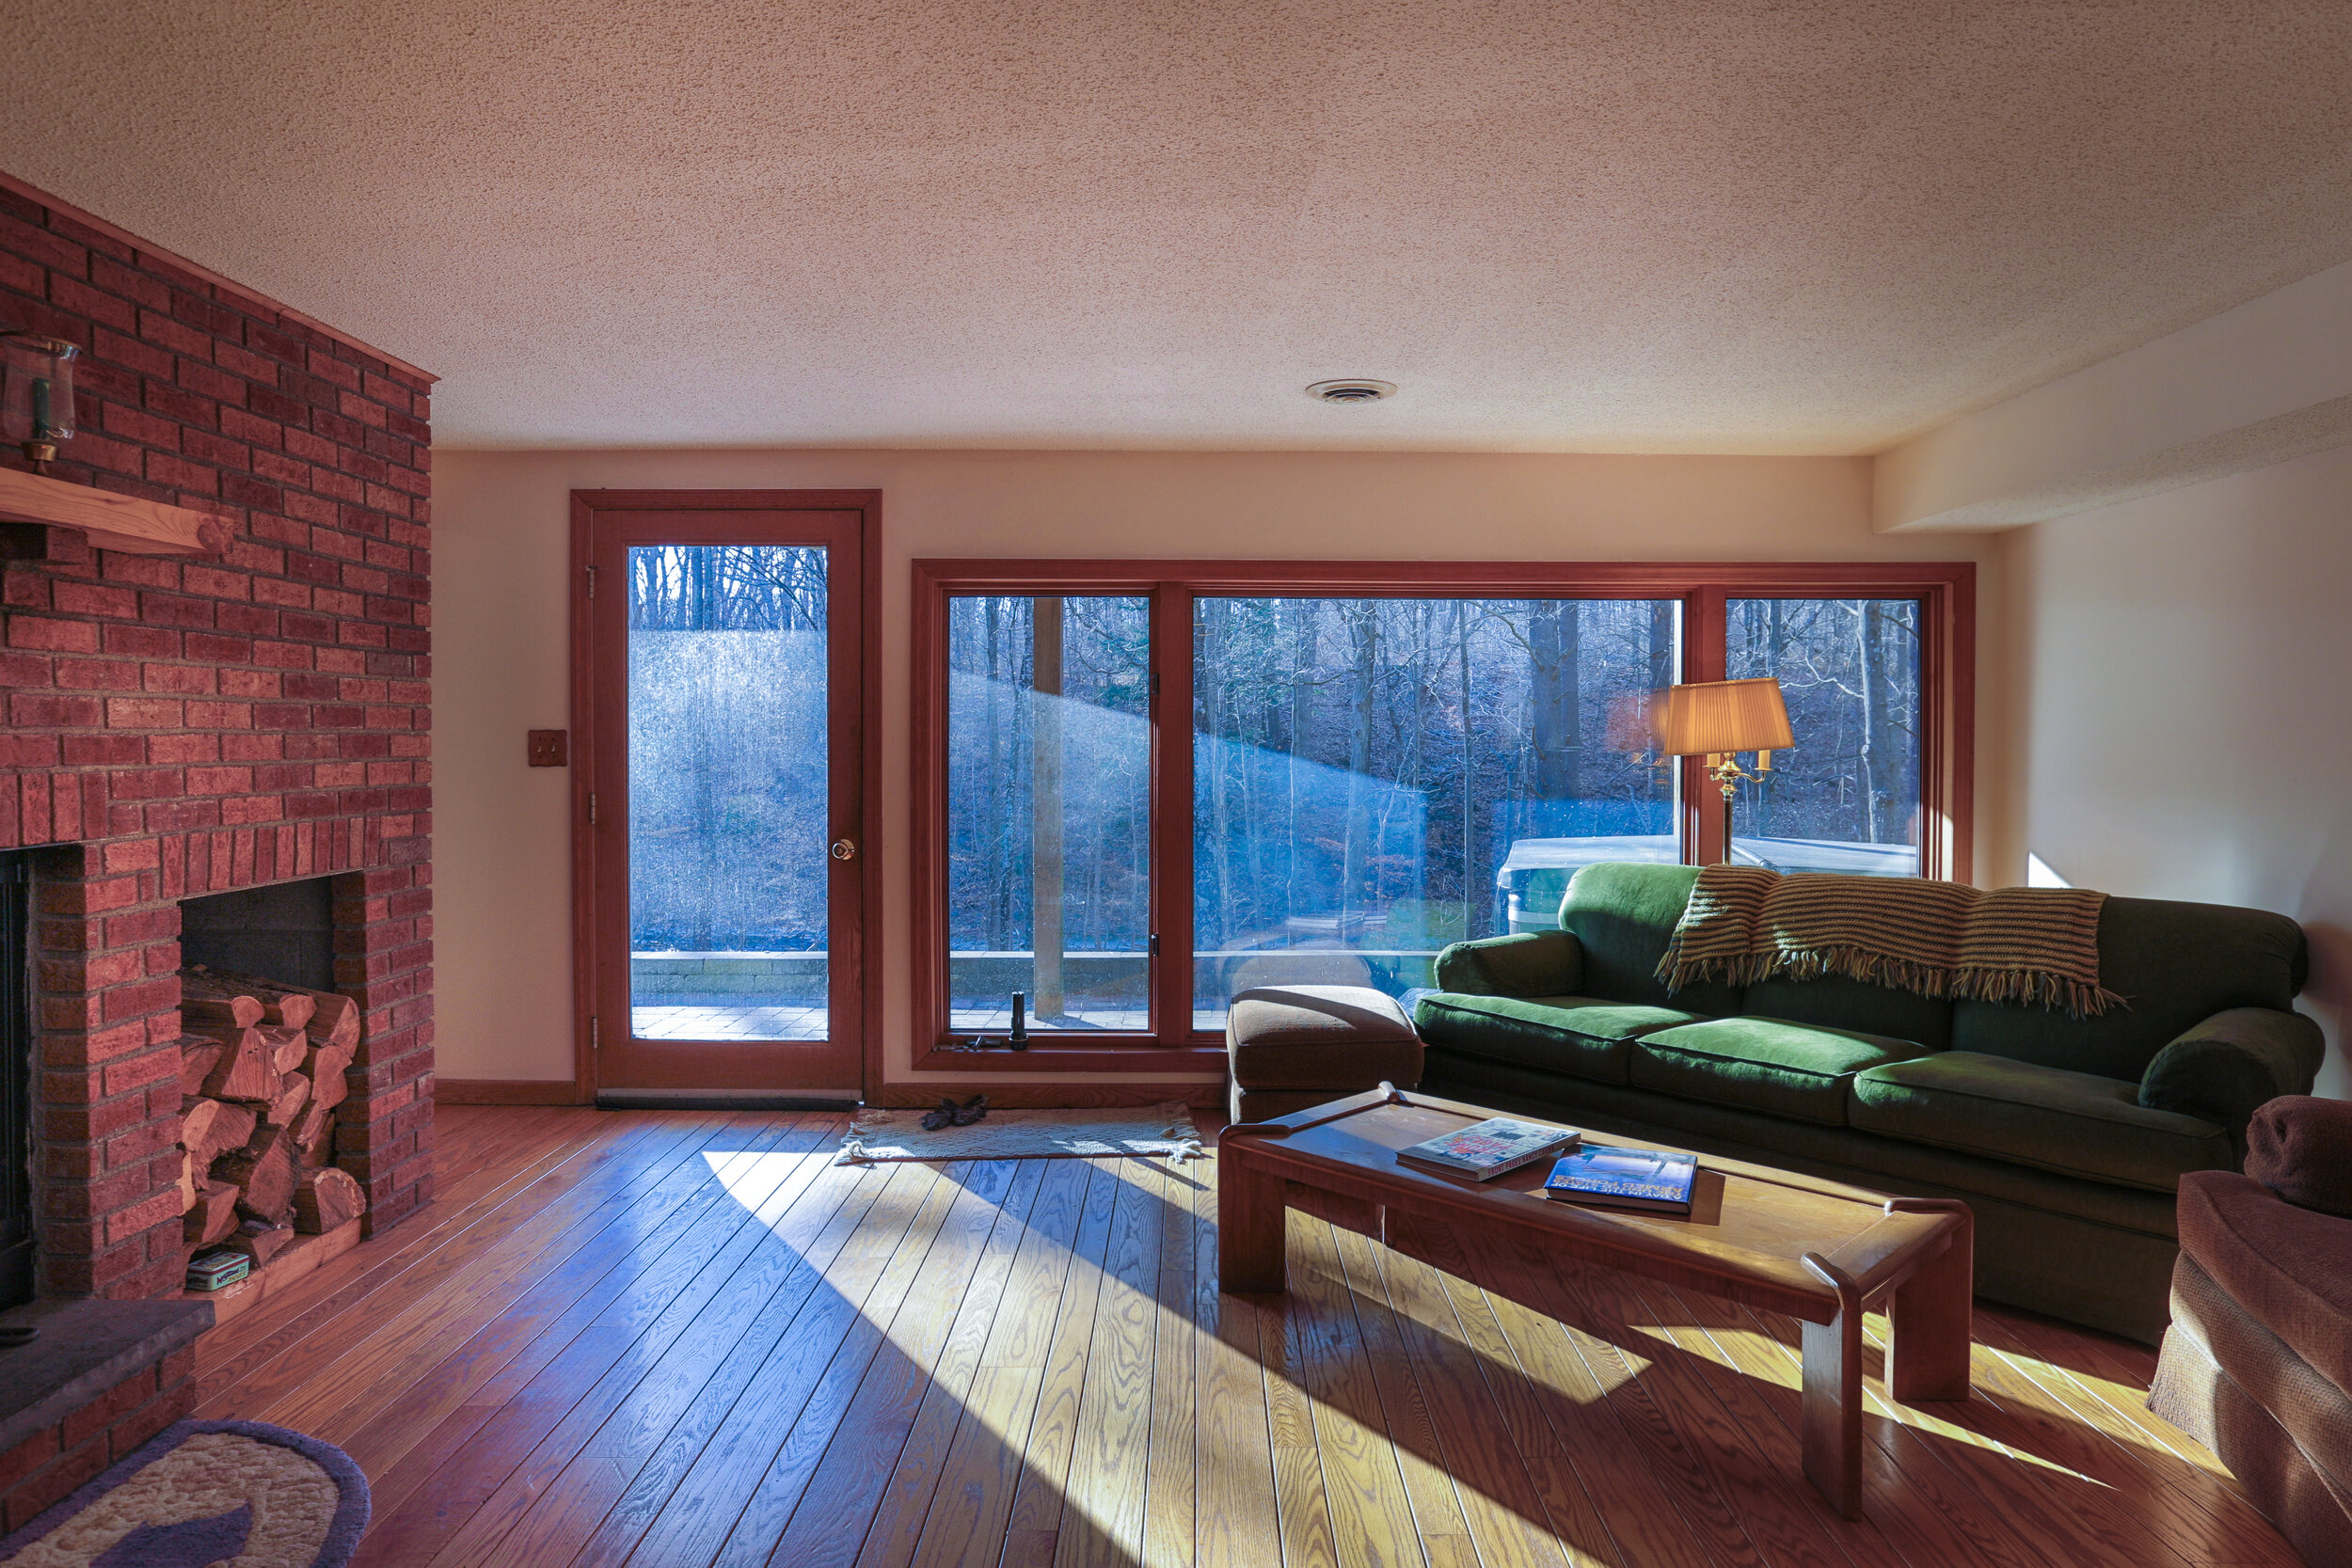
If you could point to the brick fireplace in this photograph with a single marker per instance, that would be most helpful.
(180, 726)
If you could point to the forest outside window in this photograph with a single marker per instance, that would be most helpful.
(1142, 787)
(1847, 797)
(1374, 778)
(1049, 752)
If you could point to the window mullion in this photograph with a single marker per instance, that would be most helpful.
(1172, 812)
(1704, 658)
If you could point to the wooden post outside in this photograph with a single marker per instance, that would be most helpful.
(1045, 804)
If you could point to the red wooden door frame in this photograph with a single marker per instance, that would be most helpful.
(850, 524)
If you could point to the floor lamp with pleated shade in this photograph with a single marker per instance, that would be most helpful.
(1719, 720)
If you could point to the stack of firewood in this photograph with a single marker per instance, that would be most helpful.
(261, 1073)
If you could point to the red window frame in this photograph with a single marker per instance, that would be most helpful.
(1946, 592)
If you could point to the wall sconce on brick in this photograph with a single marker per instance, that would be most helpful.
(36, 394)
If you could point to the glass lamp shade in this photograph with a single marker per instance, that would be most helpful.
(1709, 718)
(36, 391)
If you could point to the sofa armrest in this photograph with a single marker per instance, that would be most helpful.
(2225, 1069)
(1533, 963)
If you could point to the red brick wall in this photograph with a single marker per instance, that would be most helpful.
(189, 724)
(46, 1467)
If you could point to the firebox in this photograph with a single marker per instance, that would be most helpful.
(285, 931)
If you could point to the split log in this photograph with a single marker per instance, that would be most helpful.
(232, 1128)
(214, 1216)
(342, 1033)
(243, 1071)
(314, 1134)
(327, 1198)
(336, 1019)
(197, 1116)
(263, 1173)
(325, 1067)
(287, 1047)
(187, 1181)
(261, 1242)
(198, 1057)
(291, 1096)
(222, 1012)
(280, 1003)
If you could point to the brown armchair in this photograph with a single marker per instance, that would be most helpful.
(2257, 1364)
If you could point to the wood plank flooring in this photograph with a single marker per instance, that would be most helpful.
(680, 1340)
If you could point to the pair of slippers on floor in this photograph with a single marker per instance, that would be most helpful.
(952, 1115)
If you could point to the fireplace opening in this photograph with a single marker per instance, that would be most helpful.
(285, 931)
(16, 1079)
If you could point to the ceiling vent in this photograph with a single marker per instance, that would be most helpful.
(1353, 390)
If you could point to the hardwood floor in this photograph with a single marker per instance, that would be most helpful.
(683, 1338)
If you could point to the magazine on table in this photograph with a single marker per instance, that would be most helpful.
(1655, 1180)
(1485, 1149)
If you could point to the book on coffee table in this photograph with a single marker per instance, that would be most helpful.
(1485, 1149)
(1645, 1179)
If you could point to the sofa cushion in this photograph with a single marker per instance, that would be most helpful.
(1838, 1003)
(2072, 1123)
(1761, 1064)
(2300, 1147)
(1318, 1037)
(1624, 914)
(1578, 1035)
(2290, 1268)
(2174, 964)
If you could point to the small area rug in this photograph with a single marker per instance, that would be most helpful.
(241, 1493)
(1140, 1129)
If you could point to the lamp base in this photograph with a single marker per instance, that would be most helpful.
(39, 453)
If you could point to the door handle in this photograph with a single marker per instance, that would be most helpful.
(843, 850)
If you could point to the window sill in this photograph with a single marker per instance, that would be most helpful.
(1144, 1055)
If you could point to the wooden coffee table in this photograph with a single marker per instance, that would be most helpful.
(1817, 1251)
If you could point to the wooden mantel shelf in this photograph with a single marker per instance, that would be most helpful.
(111, 522)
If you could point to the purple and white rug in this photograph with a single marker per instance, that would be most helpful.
(200, 1493)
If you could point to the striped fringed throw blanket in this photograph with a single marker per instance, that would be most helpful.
(1745, 924)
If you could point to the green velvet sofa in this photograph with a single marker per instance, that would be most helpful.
(2066, 1136)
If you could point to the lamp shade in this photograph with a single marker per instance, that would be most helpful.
(1710, 717)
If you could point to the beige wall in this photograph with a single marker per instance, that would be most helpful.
(2259, 385)
(2181, 726)
(501, 541)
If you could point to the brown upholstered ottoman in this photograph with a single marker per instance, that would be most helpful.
(1289, 1047)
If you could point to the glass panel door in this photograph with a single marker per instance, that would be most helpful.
(1847, 797)
(728, 809)
(722, 826)
(1374, 778)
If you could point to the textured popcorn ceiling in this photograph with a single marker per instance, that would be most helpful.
(1556, 223)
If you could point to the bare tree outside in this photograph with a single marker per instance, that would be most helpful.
(1374, 778)
(1049, 748)
(728, 797)
(1847, 797)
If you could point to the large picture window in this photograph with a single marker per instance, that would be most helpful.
(1141, 787)
(1848, 798)
(1049, 810)
(1373, 778)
